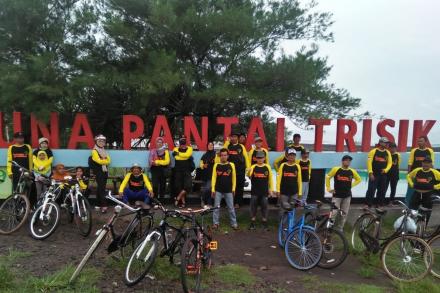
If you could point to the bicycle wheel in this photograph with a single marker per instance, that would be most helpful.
(13, 213)
(141, 260)
(84, 221)
(191, 267)
(44, 221)
(303, 249)
(207, 252)
(134, 234)
(434, 243)
(92, 249)
(365, 223)
(407, 258)
(282, 229)
(334, 248)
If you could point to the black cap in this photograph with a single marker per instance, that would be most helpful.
(347, 157)
(260, 154)
(427, 159)
(304, 151)
(19, 134)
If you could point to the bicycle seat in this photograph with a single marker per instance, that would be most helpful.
(424, 210)
(380, 211)
(142, 205)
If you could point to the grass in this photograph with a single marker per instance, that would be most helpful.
(313, 284)
(234, 275)
(429, 284)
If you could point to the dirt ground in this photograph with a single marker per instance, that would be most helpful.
(256, 250)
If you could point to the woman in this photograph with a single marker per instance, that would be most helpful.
(206, 164)
(182, 171)
(41, 169)
(159, 161)
(100, 160)
(43, 145)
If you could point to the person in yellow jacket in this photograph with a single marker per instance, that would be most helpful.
(20, 153)
(378, 164)
(100, 160)
(343, 177)
(43, 145)
(262, 188)
(41, 169)
(136, 186)
(289, 181)
(258, 147)
(182, 171)
(159, 161)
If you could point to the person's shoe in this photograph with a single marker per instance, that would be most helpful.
(252, 226)
(235, 227)
(265, 226)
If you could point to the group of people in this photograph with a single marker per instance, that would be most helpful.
(223, 174)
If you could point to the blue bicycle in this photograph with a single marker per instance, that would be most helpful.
(301, 244)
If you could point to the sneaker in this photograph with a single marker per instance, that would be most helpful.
(252, 226)
(206, 206)
(235, 227)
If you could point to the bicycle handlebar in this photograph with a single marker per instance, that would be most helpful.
(19, 166)
(120, 203)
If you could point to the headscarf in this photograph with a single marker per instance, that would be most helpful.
(102, 154)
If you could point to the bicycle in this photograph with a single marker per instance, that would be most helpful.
(301, 243)
(143, 257)
(197, 251)
(16, 208)
(334, 242)
(405, 257)
(139, 226)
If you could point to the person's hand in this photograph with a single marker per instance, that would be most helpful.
(332, 191)
(175, 153)
(151, 194)
(371, 176)
(205, 166)
(10, 176)
(153, 163)
(119, 195)
(40, 168)
(213, 194)
(270, 193)
(383, 171)
(277, 194)
(233, 193)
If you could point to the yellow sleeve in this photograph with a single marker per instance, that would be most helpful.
(124, 182)
(270, 177)
(30, 157)
(389, 162)
(310, 170)
(226, 143)
(437, 178)
(251, 152)
(97, 159)
(217, 158)
(370, 160)
(147, 183)
(246, 157)
(329, 176)
(411, 157)
(8, 163)
(432, 156)
(399, 160)
(183, 156)
(82, 185)
(276, 163)
(214, 177)
(201, 164)
(251, 171)
(234, 179)
(267, 156)
(410, 177)
(357, 178)
(279, 177)
(300, 184)
(34, 161)
(165, 161)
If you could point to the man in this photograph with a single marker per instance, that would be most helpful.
(21, 153)
(159, 161)
(289, 181)
(343, 177)
(378, 164)
(136, 186)
(393, 174)
(242, 138)
(258, 147)
(238, 155)
(282, 159)
(297, 143)
(306, 172)
(182, 171)
(416, 157)
(262, 186)
(223, 186)
(424, 180)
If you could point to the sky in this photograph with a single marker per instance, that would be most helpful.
(386, 52)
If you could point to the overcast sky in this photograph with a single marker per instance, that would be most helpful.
(386, 52)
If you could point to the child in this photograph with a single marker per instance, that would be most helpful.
(82, 180)
(136, 186)
(289, 181)
(262, 185)
(306, 172)
(41, 167)
(223, 186)
(343, 183)
(43, 145)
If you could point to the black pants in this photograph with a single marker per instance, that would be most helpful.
(101, 182)
(159, 180)
(378, 184)
(424, 199)
(392, 180)
(239, 187)
(15, 177)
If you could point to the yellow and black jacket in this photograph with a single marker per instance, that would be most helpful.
(22, 155)
(135, 183)
(379, 160)
(343, 181)
(223, 178)
(238, 155)
(306, 169)
(253, 158)
(424, 180)
(289, 179)
(182, 158)
(417, 155)
(261, 179)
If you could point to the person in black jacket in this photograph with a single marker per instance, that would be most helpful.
(207, 162)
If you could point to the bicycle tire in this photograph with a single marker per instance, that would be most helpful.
(4, 213)
(434, 244)
(328, 259)
(152, 245)
(86, 211)
(35, 221)
(364, 221)
(416, 249)
(207, 252)
(296, 239)
(98, 241)
(191, 265)
(282, 229)
(134, 234)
